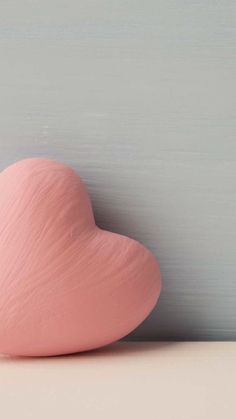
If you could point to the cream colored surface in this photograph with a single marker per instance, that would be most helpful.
(188, 380)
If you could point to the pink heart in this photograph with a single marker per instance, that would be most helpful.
(66, 285)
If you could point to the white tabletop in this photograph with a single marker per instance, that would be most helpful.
(166, 380)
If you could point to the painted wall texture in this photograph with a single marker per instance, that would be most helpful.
(139, 97)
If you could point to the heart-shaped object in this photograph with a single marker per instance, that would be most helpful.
(66, 285)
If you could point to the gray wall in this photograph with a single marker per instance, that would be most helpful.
(139, 97)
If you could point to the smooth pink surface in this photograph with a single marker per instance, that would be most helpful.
(65, 284)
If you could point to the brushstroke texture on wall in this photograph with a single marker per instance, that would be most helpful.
(139, 97)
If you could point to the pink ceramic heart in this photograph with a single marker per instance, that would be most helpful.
(66, 285)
